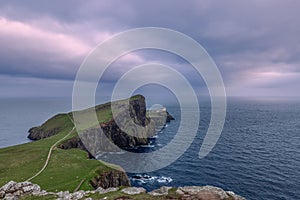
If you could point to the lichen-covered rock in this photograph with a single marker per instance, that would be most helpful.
(193, 190)
(206, 192)
(14, 191)
(10, 197)
(235, 196)
(7, 187)
(134, 190)
(100, 190)
(160, 192)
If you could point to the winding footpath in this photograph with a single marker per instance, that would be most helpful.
(50, 153)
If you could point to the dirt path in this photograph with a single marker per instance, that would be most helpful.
(79, 185)
(50, 153)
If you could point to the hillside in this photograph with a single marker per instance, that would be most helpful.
(70, 167)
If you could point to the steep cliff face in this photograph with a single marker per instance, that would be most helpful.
(139, 131)
(132, 117)
(134, 121)
(169, 117)
(109, 179)
(37, 133)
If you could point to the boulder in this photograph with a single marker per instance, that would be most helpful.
(134, 190)
(100, 190)
(206, 192)
(160, 192)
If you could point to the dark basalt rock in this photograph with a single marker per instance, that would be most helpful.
(75, 142)
(138, 136)
(37, 133)
(169, 117)
(109, 179)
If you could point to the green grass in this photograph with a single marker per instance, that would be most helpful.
(20, 162)
(66, 168)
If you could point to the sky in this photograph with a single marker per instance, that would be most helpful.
(255, 44)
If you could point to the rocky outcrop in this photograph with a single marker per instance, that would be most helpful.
(206, 192)
(139, 131)
(109, 179)
(136, 129)
(51, 127)
(14, 191)
(134, 190)
(37, 133)
(91, 140)
(162, 191)
(169, 117)
(75, 142)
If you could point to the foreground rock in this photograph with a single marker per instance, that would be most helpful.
(14, 191)
(162, 191)
(206, 192)
(134, 190)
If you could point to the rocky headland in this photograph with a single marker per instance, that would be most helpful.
(107, 183)
(109, 127)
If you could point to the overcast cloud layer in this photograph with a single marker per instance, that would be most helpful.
(255, 44)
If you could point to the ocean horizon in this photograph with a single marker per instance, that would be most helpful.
(258, 153)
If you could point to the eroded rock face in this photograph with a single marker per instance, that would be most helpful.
(136, 113)
(109, 179)
(37, 133)
(135, 129)
(40, 132)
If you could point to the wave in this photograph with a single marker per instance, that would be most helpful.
(143, 179)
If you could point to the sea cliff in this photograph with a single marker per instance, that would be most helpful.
(109, 127)
(72, 172)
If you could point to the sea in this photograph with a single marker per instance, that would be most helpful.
(257, 155)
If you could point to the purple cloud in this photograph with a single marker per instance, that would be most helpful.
(249, 41)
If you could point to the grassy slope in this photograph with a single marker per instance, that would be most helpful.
(66, 168)
(23, 161)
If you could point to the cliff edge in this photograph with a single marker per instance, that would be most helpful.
(108, 126)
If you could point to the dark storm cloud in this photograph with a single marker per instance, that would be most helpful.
(248, 40)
